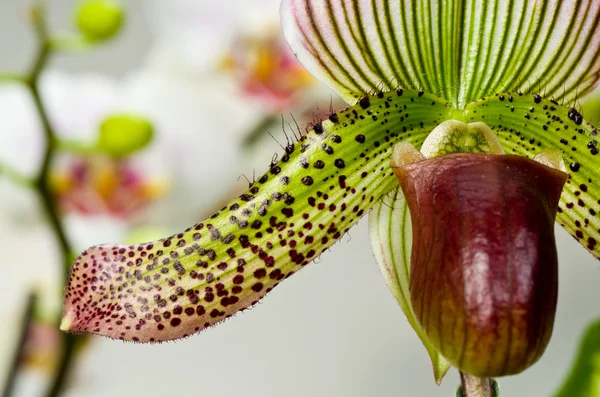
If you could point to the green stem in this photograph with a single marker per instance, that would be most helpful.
(43, 184)
(16, 176)
(42, 180)
(10, 78)
(69, 44)
(258, 131)
(76, 147)
(43, 188)
(11, 377)
(472, 386)
(69, 342)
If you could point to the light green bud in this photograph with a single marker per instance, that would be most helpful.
(121, 135)
(99, 20)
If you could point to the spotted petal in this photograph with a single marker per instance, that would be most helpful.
(321, 186)
(462, 49)
(525, 124)
(391, 239)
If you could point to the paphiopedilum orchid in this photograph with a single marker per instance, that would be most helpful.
(407, 68)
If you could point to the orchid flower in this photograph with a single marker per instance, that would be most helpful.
(250, 57)
(101, 197)
(406, 69)
(266, 69)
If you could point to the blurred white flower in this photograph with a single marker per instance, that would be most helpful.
(239, 41)
(238, 45)
(198, 132)
(195, 149)
(30, 255)
(203, 98)
(196, 34)
(192, 163)
(265, 69)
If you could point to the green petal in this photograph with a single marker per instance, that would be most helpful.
(321, 186)
(462, 49)
(584, 379)
(391, 240)
(526, 124)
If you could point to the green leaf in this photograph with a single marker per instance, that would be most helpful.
(584, 378)
(464, 49)
(526, 124)
(321, 186)
(391, 239)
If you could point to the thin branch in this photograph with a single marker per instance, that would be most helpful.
(13, 371)
(43, 189)
(258, 131)
(69, 344)
(15, 176)
(69, 43)
(76, 147)
(10, 78)
(42, 179)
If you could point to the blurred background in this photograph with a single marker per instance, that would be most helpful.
(208, 81)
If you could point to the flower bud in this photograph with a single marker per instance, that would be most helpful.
(99, 20)
(484, 265)
(121, 135)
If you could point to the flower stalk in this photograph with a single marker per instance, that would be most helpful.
(42, 180)
(41, 185)
(26, 321)
(15, 176)
(254, 134)
(472, 386)
(10, 77)
(490, 228)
